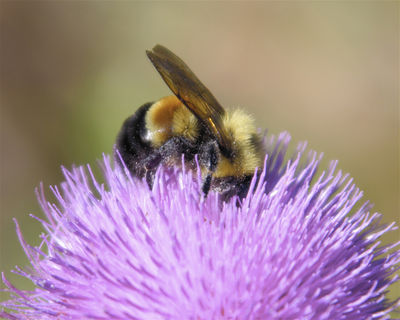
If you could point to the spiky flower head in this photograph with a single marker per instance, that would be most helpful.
(299, 246)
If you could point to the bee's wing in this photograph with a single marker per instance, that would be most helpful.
(193, 94)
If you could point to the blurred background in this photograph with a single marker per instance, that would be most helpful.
(71, 72)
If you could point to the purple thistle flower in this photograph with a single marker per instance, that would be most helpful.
(298, 247)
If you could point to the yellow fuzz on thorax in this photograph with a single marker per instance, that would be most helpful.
(159, 119)
(169, 117)
(246, 146)
(185, 124)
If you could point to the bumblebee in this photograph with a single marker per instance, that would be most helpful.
(191, 122)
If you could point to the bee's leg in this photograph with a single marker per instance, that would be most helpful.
(151, 162)
(206, 184)
(149, 175)
(172, 150)
(209, 157)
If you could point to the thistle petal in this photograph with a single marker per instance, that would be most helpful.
(300, 246)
